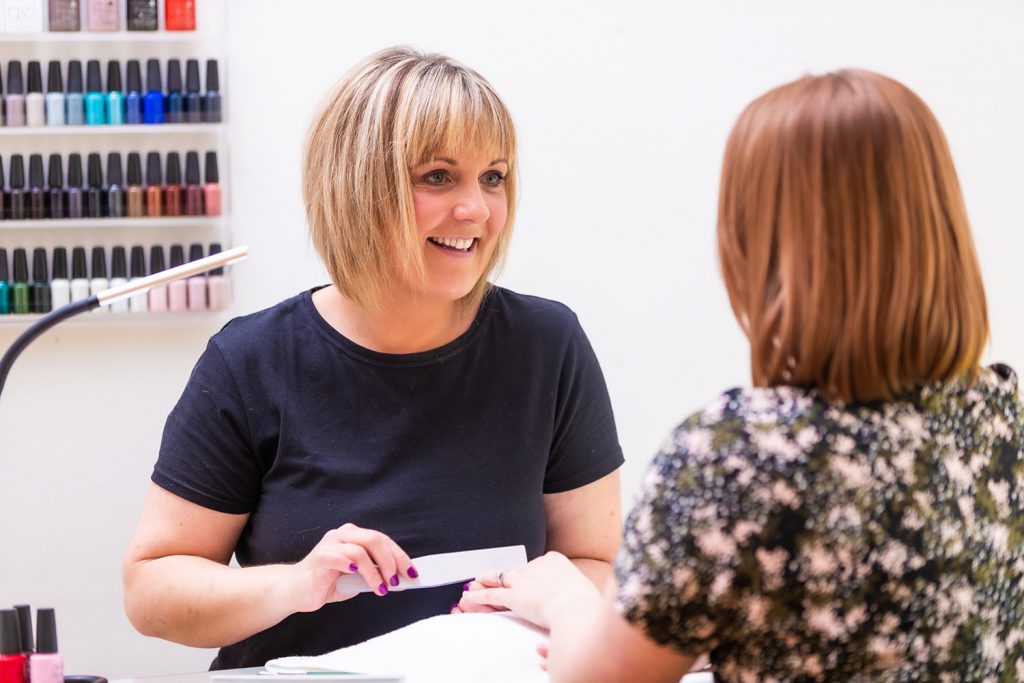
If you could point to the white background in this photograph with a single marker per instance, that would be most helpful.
(622, 112)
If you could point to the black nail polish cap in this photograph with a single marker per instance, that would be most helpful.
(60, 263)
(5, 274)
(99, 262)
(114, 176)
(54, 78)
(78, 263)
(10, 637)
(95, 170)
(156, 259)
(215, 249)
(177, 255)
(20, 266)
(74, 170)
(35, 170)
(153, 75)
(195, 252)
(134, 76)
(212, 76)
(14, 84)
(119, 263)
(39, 274)
(211, 168)
(17, 172)
(134, 169)
(173, 168)
(35, 77)
(55, 176)
(75, 76)
(153, 168)
(113, 76)
(46, 631)
(92, 76)
(173, 75)
(25, 623)
(138, 261)
(192, 168)
(191, 75)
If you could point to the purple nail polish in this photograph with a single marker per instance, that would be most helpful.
(413, 574)
(394, 580)
(465, 587)
(454, 607)
(383, 589)
(353, 567)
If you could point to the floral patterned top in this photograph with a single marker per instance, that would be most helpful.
(793, 539)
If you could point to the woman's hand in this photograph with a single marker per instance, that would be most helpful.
(536, 591)
(348, 550)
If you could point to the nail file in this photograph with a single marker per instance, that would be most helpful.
(446, 568)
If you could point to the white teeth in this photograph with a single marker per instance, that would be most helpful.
(452, 242)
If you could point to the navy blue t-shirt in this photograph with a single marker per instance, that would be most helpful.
(288, 421)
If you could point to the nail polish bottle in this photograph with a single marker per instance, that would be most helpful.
(211, 100)
(3, 191)
(94, 109)
(46, 665)
(16, 195)
(153, 103)
(64, 15)
(133, 95)
(177, 291)
(39, 292)
(54, 95)
(173, 192)
(180, 15)
(218, 286)
(196, 283)
(79, 276)
(60, 286)
(175, 102)
(55, 188)
(12, 661)
(142, 15)
(102, 15)
(3, 116)
(211, 190)
(158, 295)
(154, 186)
(25, 630)
(36, 188)
(98, 282)
(94, 193)
(24, 16)
(134, 192)
(193, 193)
(115, 186)
(115, 98)
(193, 98)
(20, 301)
(75, 99)
(14, 100)
(118, 277)
(140, 302)
(5, 284)
(35, 109)
(76, 197)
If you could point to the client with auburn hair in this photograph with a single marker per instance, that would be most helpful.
(855, 515)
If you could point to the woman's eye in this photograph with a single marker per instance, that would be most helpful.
(493, 179)
(435, 178)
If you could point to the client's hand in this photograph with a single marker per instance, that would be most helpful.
(348, 550)
(536, 591)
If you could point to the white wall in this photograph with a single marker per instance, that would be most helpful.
(622, 112)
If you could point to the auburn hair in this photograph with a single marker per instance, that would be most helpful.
(844, 241)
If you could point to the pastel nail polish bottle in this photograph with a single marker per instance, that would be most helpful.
(102, 15)
(140, 302)
(134, 192)
(46, 665)
(153, 103)
(193, 193)
(16, 195)
(211, 190)
(79, 276)
(64, 16)
(98, 282)
(180, 15)
(158, 295)
(133, 95)
(76, 197)
(55, 188)
(115, 98)
(218, 286)
(94, 104)
(14, 100)
(20, 301)
(142, 15)
(173, 192)
(54, 95)
(211, 100)
(175, 102)
(39, 291)
(5, 284)
(94, 193)
(36, 188)
(60, 286)
(115, 186)
(75, 99)
(12, 661)
(177, 291)
(35, 107)
(193, 98)
(196, 283)
(118, 277)
(154, 186)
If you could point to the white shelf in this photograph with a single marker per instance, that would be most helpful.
(105, 223)
(106, 37)
(107, 317)
(107, 129)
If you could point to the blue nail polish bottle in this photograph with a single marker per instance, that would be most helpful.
(75, 100)
(5, 285)
(95, 114)
(115, 98)
(193, 98)
(133, 95)
(211, 100)
(174, 101)
(153, 105)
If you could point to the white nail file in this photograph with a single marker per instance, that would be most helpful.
(446, 568)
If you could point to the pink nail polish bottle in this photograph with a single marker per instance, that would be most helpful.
(157, 295)
(46, 664)
(196, 283)
(177, 291)
(218, 285)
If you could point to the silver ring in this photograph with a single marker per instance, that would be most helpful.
(501, 579)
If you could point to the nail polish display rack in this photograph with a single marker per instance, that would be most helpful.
(126, 231)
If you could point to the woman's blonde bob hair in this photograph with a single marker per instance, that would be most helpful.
(844, 241)
(396, 110)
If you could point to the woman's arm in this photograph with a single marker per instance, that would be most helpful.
(585, 525)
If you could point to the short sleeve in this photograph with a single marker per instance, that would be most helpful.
(205, 454)
(585, 445)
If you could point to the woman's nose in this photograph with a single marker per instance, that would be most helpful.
(470, 206)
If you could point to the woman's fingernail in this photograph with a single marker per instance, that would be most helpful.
(413, 574)
(353, 567)
(465, 587)
(394, 580)
(383, 588)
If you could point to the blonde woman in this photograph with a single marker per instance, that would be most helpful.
(407, 408)
(855, 515)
